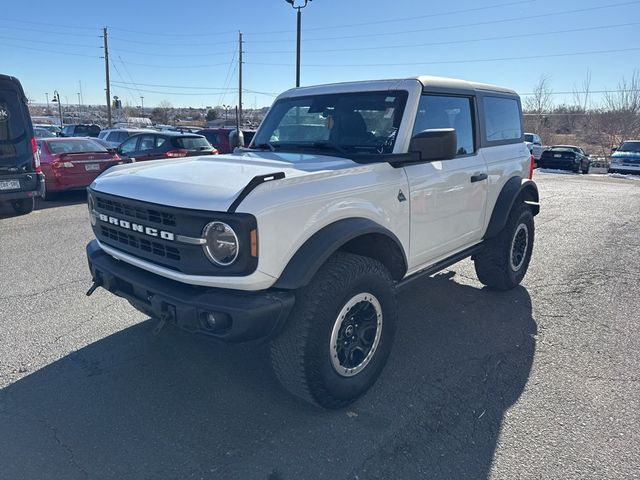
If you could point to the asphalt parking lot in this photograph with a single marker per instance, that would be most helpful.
(540, 382)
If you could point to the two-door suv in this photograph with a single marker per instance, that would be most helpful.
(346, 193)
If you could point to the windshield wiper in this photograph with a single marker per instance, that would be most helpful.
(265, 146)
(329, 145)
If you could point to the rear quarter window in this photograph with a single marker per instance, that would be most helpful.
(502, 120)
(193, 143)
(13, 125)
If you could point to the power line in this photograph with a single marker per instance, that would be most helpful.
(227, 79)
(629, 90)
(197, 94)
(40, 42)
(180, 55)
(445, 62)
(50, 52)
(174, 66)
(460, 25)
(167, 34)
(115, 67)
(176, 86)
(173, 44)
(126, 70)
(401, 19)
(85, 35)
(452, 42)
(56, 25)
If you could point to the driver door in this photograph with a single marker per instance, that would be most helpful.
(448, 198)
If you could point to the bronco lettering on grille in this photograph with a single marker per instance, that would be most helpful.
(136, 227)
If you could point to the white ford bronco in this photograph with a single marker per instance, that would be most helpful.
(347, 193)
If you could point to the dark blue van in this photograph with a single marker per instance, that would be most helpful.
(21, 179)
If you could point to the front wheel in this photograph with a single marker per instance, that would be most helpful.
(23, 206)
(503, 261)
(339, 334)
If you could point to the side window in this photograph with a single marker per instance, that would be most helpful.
(502, 119)
(160, 141)
(129, 146)
(147, 142)
(438, 111)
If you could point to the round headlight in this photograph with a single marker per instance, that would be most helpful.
(222, 245)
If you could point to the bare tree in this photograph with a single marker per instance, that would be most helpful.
(619, 119)
(539, 103)
(581, 97)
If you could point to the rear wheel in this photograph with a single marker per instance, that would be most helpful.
(504, 259)
(340, 332)
(23, 206)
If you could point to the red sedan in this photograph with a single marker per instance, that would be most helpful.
(73, 163)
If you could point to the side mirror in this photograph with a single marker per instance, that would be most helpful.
(435, 144)
(236, 139)
(614, 149)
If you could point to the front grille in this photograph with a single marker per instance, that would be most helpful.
(132, 211)
(182, 257)
(139, 243)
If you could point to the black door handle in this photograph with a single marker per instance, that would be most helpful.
(478, 178)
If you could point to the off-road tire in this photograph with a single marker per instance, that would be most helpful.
(494, 262)
(301, 354)
(23, 206)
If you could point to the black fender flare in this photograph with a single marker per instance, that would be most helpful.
(315, 251)
(516, 188)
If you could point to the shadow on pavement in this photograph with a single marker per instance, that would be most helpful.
(134, 405)
(60, 200)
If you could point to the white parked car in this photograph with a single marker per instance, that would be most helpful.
(534, 144)
(347, 193)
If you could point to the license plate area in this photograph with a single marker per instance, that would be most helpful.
(9, 184)
(92, 167)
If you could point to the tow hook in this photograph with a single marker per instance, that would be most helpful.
(93, 288)
(165, 316)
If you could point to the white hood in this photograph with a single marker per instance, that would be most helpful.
(212, 182)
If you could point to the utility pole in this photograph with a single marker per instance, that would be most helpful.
(47, 94)
(240, 80)
(298, 47)
(106, 71)
(81, 95)
(142, 102)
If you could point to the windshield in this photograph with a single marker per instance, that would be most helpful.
(362, 122)
(75, 146)
(528, 137)
(633, 147)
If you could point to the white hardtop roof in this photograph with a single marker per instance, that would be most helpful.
(427, 81)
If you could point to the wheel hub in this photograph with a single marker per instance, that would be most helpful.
(356, 334)
(519, 246)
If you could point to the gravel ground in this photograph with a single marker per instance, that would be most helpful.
(540, 382)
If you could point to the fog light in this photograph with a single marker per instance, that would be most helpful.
(214, 321)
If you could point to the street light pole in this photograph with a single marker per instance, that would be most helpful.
(47, 95)
(298, 37)
(56, 98)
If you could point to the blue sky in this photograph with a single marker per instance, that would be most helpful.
(186, 53)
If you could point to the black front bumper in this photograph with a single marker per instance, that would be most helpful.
(31, 185)
(244, 315)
